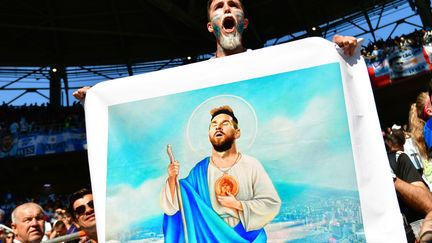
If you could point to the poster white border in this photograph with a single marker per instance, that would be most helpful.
(381, 216)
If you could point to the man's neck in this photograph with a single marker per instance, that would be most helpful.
(226, 158)
(221, 52)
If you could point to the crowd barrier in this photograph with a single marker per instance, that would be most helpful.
(67, 238)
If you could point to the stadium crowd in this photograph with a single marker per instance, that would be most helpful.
(35, 118)
(32, 125)
(57, 216)
(381, 48)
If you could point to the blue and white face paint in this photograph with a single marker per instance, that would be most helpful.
(229, 39)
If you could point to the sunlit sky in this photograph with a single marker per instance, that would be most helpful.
(403, 11)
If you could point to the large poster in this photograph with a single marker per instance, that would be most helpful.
(308, 125)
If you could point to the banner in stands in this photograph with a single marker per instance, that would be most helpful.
(40, 144)
(312, 164)
(399, 64)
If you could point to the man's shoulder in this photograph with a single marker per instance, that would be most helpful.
(250, 160)
(203, 163)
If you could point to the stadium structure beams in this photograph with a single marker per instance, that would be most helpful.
(127, 34)
(25, 92)
(56, 75)
(424, 11)
(358, 21)
(22, 77)
(369, 23)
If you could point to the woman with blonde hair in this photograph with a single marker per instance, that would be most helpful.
(419, 113)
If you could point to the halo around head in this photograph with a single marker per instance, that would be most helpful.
(198, 123)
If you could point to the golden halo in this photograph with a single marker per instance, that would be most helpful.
(199, 120)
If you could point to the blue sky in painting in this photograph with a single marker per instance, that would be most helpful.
(302, 137)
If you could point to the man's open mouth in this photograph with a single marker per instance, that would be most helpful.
(229, 23)
(219, 134)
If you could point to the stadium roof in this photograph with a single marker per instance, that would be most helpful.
(99, 32)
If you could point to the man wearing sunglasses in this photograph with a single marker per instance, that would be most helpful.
(82, 208)
(28, 223)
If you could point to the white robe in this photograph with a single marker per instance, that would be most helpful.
(259, 199)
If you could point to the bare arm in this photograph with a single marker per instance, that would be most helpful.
(415, 194)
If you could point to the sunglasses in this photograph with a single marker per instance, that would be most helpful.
(81, 209)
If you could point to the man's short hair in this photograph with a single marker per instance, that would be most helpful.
(209, 2)
(13, 214)
(75, 196)
(224, 110)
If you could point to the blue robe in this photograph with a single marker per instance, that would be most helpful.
(203, 223)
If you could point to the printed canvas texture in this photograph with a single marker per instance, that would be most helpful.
(311, 168)
(294, 123)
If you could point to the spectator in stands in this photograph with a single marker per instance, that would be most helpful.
(70, 224)
(226, 20)
(412, 151)
(58, 215)
(419, 113)
(35, 120)
(427, 37)
(2, 216)
(405, 43)
(13, 128)
(8, 145)
(23, 125)
(366, 55)
(59, 229)
(81, 204)
(415, 200)
(10, 237)
(6, 237)
(28, 223)
(377, 53)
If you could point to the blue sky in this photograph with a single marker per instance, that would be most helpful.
(302, 137)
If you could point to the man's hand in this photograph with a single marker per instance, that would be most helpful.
(173, 171)
(425, 234)
(80, 94)
(347, 43)
(230, 202)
